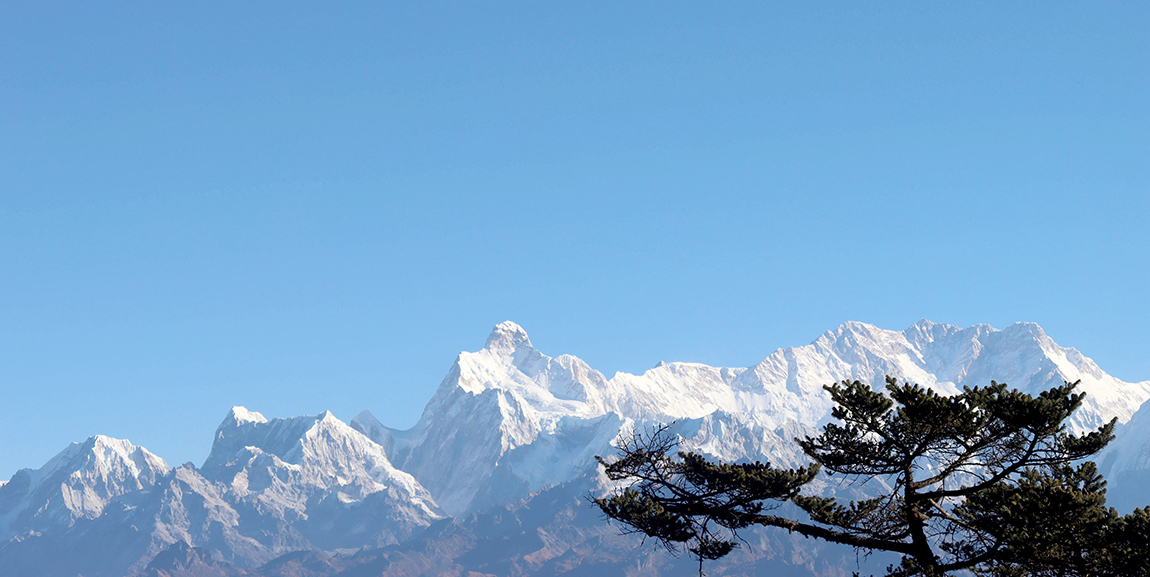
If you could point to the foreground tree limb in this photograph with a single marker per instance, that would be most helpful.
(958, 467)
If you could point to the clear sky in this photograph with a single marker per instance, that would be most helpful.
(298, 208)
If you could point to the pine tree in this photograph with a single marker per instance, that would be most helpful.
(981, 480)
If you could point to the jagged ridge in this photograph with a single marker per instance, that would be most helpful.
(506, 422)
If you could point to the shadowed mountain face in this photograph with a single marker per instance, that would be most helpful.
(182, 560)
(493, 479)
(1126, 463)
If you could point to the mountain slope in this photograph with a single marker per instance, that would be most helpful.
(269, 487)
(509, 395)
(317, 476)
(1126, 463)
(76, 484)
(491, 401)
(507, 446)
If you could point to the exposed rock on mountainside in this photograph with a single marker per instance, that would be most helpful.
(181, 560)
(78, 483)
(509, 395)
(506, 446)
(267, 488)
(319, 477)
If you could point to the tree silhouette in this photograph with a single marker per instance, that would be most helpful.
(979, 481)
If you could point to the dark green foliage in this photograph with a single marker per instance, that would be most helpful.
(1129, 545)
(937, 451)
(980, 481)
(683, 498)
(1055, 523)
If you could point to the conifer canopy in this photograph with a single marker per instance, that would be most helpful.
(988, 480)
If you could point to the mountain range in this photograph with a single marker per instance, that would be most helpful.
(493, 478)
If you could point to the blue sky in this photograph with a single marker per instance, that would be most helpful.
(296, 208)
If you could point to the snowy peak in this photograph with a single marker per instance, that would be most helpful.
(508, 394)
(491, 401)
(308, 439)
(77, 483)
(316, 454)
(105, 456)
(506, 338)
(242, 428)
(316, 478)
(240, 415)
(672, 391)
(507, 421)
(330, 441)
(110, 462)
(946, 358)
(509, 363)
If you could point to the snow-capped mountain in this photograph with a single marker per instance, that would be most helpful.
(787, 385)
(76, 484)
(491, 402)
(318, 476)
(509, 395)
(1126, 463)
(508, 440)
(268, 487)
